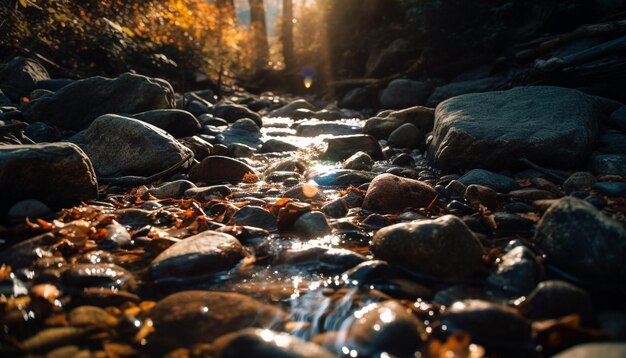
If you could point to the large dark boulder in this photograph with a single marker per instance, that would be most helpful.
(176, 122)
(582, 241)
(403, 93)
(121, 146)
(59, 175)
(552, 126)
(78, 104)
(20, 76)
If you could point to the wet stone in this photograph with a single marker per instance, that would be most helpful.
(264, 343)
(320, 259)
(375, 221)
(507, 330)
(204, 316)
(243, 132)
(519, 271)
(337, 208)
(555, 299)
(443, 248)
(98, 275)
(305, 191)
(201, 254)
(343, 147)
(232, 112)
(281, 176)
(122, 146)
(316, 128)
(497, 182)
(277, 145)
(290, 108)
(388, 192)
(386, 327)
(255, 216)
(312, 225)
(116, 236)
(175, 189)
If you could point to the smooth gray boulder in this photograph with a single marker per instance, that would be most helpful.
(551, 126)
(59, 175)
(121, 146)
(78, 104)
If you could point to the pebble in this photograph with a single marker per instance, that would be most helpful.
(405, 136)
(497, 182)
(518, 271)
(29, 209)
(612, 189)
(256, 216)
(359, 161)
(343, 147)
(337, 208)
(98, 275)
(388, 192)
(312, 225)
(579, 181)
(277, 145)
(205, 253)
(477, 195)
(216, 169)
(175, 189)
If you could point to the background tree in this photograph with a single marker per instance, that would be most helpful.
(259, 33)
(287, 35)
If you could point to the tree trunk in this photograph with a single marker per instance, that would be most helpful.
(259, 33)
(287, 35)
(227, 9)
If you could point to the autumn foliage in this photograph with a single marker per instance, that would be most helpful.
(175, 39)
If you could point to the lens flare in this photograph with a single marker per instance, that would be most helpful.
(308, 81)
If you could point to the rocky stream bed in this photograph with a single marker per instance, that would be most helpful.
(142, 222)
